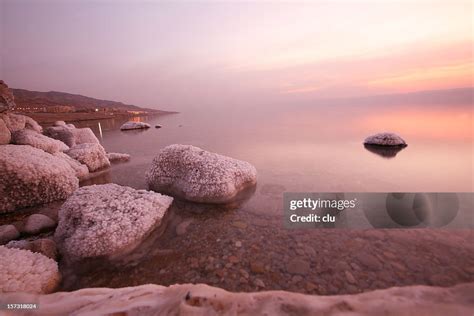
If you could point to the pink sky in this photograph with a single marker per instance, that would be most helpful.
(179, 55)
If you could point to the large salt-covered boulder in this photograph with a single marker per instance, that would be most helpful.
(134, 125)
(14, 122)
(197, 175)
(37, 140)
(25, 271)
(91, 154)
(70, 135)
(7, 100)
(385, 139)
(5, 134)
(106, 220)
(30, 176)
(81, 170)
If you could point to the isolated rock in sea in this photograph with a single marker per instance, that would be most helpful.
(134, 125)
(7, 100)
(385, 139)
(37, 140)
(197, 175)
(80, 169)
(107, 220)
(158, 126)
(14, 122)
(32, 125)
(37, 223)
(91, 154)
(7, 233)
(118, 157)
(202, 299)
(70, 135)
(25, 271)
(30, 176)
(5, 134)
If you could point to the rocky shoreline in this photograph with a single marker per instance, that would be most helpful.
(50, 223)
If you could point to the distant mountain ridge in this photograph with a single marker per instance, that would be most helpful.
(54, 98)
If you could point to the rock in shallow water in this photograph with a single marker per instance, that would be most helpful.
(134, 125)
(37, 140)
(197, 175)
(106, 220)
(25, 271)
(118, 157)
(385, 139)
(7, 233)
(30, 176)
(90, 154)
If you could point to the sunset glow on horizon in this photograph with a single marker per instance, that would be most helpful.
(174, 55)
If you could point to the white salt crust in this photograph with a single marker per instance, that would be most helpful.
(37, 140)
(90, 154)
(197, 175)
(134, 125)
(103, 220)
(30, 176)
(25, 271)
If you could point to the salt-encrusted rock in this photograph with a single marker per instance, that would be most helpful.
(7, 233)
(201, 299)
(37, 140)
(80, 169)
(70, 135)
(91, 154)
(5, 134)
(385, 139)
(106, 220)
(25, 271)
(83, 135)
(7, 100)
(14, 122)
(33, 125)
(37, 223)
(30, 176)
(197, 175)
(61, 133)
(44, 246)
(118, 157)
(134, 125)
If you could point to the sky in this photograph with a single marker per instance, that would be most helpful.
(178, 55)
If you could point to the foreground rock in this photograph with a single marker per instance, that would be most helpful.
(70, 135)
(80, 169)
(37, 140)
(7, 100)
(134, 125)
(90, 154)
(25, 271)
(7, 233)
(202, 299)
(30, 176)
(105, 220)
(385, 139)
(5, 134)
(37, 223)
(197, 175)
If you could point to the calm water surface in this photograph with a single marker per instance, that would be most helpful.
(306, 149)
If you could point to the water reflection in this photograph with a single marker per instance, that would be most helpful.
(384, 151)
